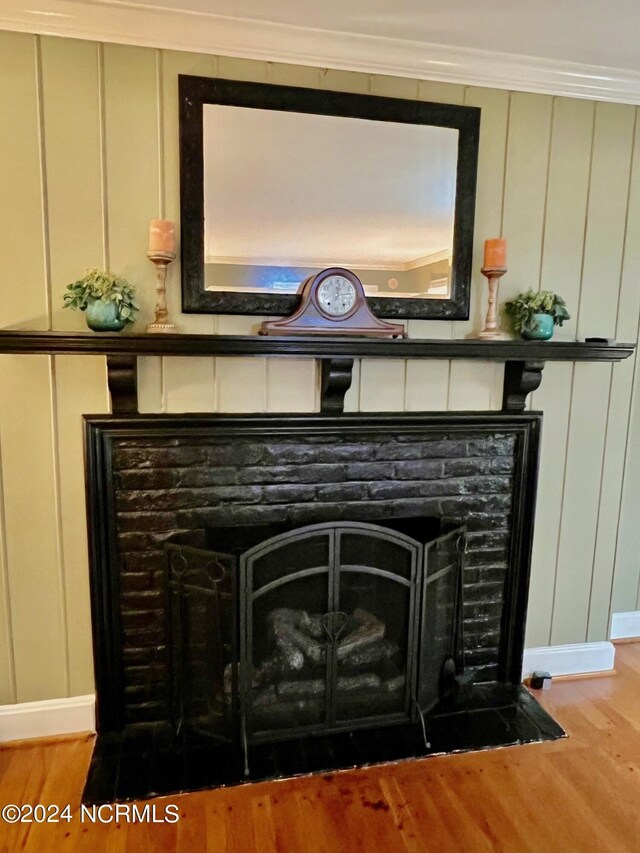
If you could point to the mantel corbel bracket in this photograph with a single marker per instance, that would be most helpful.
(520, 379)
(122, 376)
(337, 374)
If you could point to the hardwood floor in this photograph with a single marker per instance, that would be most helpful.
(577, 794)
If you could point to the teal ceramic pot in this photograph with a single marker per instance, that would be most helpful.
(103, 316)
(542, 329)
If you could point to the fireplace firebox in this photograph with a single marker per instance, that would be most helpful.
(275, 595)
(325, 628)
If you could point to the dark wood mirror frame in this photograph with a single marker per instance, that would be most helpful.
(195, 92)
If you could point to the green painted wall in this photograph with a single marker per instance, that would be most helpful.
(89, 153)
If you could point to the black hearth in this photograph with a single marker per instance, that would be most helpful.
(282, 595)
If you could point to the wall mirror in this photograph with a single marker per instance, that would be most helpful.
(277, 183)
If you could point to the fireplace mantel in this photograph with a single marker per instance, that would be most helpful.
(524, 360)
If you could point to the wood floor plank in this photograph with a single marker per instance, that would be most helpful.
(580, 794)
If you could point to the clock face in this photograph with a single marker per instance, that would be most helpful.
(336, 295)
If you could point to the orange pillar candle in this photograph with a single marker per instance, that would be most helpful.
(495, 253)
(162, 237)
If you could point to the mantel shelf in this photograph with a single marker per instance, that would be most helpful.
(91, 343)
(524, 360)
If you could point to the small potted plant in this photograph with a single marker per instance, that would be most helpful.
(108, 299)
(534, 314)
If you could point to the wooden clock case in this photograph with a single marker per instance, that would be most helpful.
(310, 318)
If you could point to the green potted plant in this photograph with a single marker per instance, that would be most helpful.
(533, 314)
(108, 299)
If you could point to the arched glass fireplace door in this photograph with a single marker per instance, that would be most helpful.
(329, 630)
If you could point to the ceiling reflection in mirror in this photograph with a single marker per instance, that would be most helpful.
(288, 194)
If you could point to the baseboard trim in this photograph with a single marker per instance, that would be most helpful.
(625, 625)
(47, 718)
(571, 659)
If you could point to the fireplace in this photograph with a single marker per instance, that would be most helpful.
(278, 595)
(324, 628)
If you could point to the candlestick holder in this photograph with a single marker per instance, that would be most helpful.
(161, 324)
(491, 331)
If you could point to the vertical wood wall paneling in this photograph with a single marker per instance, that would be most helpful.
(241, 383)
(526, 175)
(234, 68)
(582, 472)
(494, 120)
(345, 81)
(427, 380)
(472, 384)
(72, 133)
(382, 384)
(150, 382)
(26, 428)
(625, 594)
(22, 255)
(627, 543)
(8, 692)
(395, 87)
(71, 107)
(282, 74)
(621, 390)
(554, 400)
(561, 270)
(617, 429)
(89, 375)
(440, 93)
(131, 151)
(189, 383)
(293, 385)
(566, 209)
(606, 221)
(21, 235)
(32, 535)
(523, 187)
(132, 164)
(525, 190)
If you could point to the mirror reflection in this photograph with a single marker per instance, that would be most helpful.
(288, 194)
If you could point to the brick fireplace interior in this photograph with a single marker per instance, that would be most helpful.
(281, 595)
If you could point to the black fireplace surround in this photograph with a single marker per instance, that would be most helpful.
(282, 594)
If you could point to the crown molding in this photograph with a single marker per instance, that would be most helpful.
(150, 26)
